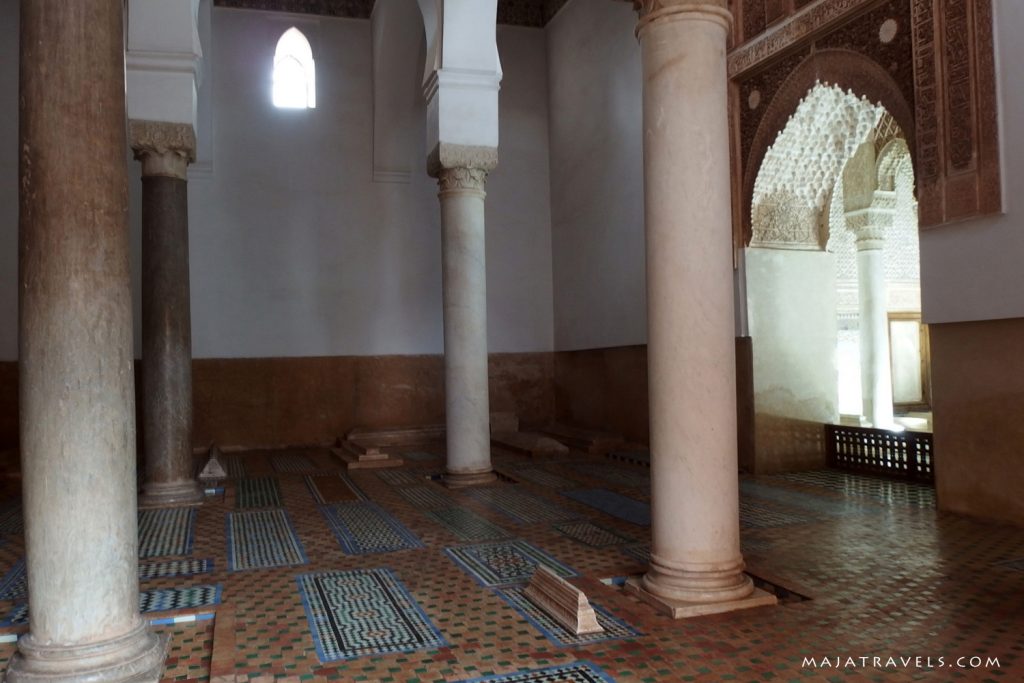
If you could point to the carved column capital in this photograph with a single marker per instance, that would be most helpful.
(651, 11)
(869, 226)
(461, 179)
(164, 148)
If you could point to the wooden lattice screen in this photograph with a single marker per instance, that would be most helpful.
(905, 455)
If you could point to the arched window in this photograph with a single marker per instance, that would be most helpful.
(294, 73)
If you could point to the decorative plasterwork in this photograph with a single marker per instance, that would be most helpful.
(515, 12)
(800, 169)
(165, 149)
(456, 179)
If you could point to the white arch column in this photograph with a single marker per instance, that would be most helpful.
(870, 226)
(696, 566)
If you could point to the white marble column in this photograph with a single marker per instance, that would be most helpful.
(77, 415)
(869, 226)
(165, 150)
(696, 565)
(467, 405)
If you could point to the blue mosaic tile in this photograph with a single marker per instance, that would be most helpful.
(14, 585)
(617, 476)
(257, 492)
(536, 475)
(166, 531)
(805, 501)
(172, 568)
(16, 617)
(505, 562)
(614, 629)
(233, 465)
(289, 463)
(466, 525)
(364, 612)
(425, 497)
(614, 504)
(166, 599)
(577, 672)
(262, 539)
(591, 534)
(364, 528)
(522, 506)
(333, 488)
(400, 477)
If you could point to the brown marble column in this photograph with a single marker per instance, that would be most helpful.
(75, 352)
(696, 565)
(165, 150)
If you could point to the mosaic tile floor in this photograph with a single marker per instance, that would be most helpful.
(886, 577)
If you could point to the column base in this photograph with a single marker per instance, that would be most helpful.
(174, 494)
(680, 609)
(137, 657)
(458, 480)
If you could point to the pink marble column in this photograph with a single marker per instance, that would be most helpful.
(696, 565)
(77, 415)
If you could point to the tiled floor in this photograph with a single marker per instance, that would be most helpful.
(887, 575)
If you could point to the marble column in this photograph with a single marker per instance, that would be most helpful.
(77, 414)
(696, 566)
(869, 226)
(467, 405)
(165, 150)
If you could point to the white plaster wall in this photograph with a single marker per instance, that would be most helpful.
(8, 181)
(973, 270)
(296, 252)
(597, 214)
(792, 310)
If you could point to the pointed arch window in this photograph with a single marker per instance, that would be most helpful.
(294, 72)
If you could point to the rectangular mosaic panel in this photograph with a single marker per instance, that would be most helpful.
(261, 539)
(577, 672)
(163, 570)
(365, 528)
(400, 477)
(258, 492)
(425, 497)
(333, 488)
(166, 531)
(467, 525)
(541, 477)
(167, 599)
(233, 465)
(364, 612)
(614, 504)
(16, 617)
(522, 506)
(591, 534)
(290, 463)
(14, 585)
(614, 628)
(504, 563)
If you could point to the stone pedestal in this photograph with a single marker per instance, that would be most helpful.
(165, 150)
(695, 549)
(870, 226)
(467, 410)
(77, 415)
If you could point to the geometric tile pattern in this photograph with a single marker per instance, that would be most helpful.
(591, 534)
(173, 568)
(15, 583)
(166, 599)
(293, 464)
(425, 497)
(11, 520)
(614, 504)
(364, 528)
(166, 531)
(578, 672)
(333, 488)
(261, 539)
(258, 492)
(401, 477)
(756, 515)
(16, 617)
(466, 524)
(233, 465)
(364, 612)
(640, 552)
(885, 491)
(806, 501)
(544, 478)
(522, 506)
(503, 563)
(558, 634)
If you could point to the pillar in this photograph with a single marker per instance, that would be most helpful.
(77, 415)
(869, 227)
(165, 150)
(467, 411)
(696, 565)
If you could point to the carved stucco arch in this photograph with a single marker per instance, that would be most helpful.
(892, 162)
(845, 69)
